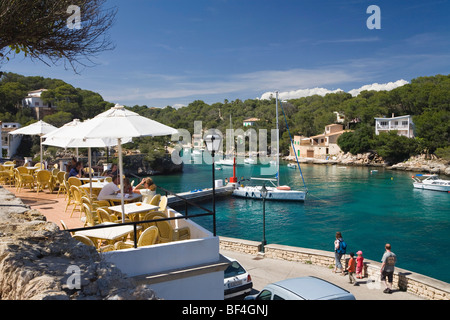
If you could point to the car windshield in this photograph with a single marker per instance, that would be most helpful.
(234, 269)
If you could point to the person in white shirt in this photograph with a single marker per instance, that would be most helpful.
(148, 190)
(109, 189)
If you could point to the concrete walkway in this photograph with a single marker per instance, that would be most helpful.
(265, 270)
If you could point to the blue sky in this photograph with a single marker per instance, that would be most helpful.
(172, 52)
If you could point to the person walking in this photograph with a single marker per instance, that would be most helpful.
(339, 250)
(387, 268)
(351, 269)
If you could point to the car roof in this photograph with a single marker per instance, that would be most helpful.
(312, 288)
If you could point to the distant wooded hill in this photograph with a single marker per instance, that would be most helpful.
(427, 99)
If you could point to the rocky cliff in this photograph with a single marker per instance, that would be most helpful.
(38, 261)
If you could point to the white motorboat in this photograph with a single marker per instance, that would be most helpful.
(225, 162)
(250, 161)
(431, 182)
(291, 165)
(283, 193)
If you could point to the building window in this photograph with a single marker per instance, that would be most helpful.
(404, 123)
(36, 104)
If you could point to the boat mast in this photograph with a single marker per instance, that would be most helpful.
(278, 145)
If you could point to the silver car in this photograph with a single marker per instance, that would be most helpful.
(237, 281)
(304, 288)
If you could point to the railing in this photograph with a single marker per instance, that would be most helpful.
(136, 223)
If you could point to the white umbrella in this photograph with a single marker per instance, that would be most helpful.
(39, 128)
(66, 137)
(119, 123)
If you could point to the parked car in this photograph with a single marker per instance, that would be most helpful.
(237, 281)
(303, 288)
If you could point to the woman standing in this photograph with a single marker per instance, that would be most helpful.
(339, 251)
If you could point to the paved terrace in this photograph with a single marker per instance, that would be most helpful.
(263, 270)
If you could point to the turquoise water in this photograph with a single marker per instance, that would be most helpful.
(370, 209)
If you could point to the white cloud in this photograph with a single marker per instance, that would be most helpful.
(301, 93)
(379, 87)
(298, 93)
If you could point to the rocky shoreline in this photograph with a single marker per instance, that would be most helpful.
(420, 163)
(38, 261)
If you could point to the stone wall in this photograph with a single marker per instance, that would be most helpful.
(420, 285)
(38, 261)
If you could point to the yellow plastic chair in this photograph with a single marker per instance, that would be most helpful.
(61, 177)
(84, 239)
(90, 220)
(147, 238)
(43, 180)
(163, 204)
(4, 175)
(104, 216)
(76, 198)
(39, 165)
(150, 216)
(74, 181)
(23, 179)
(155, 200)
(167, 233)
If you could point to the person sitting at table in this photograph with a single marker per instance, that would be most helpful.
(76, 171)
(127, 188)
(72, 164)
(113, 172)
(148, 191)
(109, 189)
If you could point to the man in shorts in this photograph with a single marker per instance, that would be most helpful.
(387, 268)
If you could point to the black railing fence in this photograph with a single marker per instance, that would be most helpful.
(187, 202)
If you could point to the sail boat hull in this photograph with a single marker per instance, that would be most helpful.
(254, 192)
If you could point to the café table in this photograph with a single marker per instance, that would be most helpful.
(96, 186)
(116, 198)
(132, 210)
(93, 178)
(109, 234)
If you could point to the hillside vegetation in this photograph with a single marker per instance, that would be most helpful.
(427, 99)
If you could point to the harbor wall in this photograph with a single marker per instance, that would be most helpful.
(405, 280)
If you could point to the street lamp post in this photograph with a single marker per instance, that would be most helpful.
(264, 195)
(212, 145)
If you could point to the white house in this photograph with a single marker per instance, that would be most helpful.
(321, 146)
(403, 124)
(250, 122)
(33, 100)
(10, 143)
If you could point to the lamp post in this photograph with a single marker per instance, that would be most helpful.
(264, 195)
(212, 142)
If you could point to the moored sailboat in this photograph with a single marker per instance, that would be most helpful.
(274, 192)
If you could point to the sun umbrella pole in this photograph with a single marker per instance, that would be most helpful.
(119, 147)
(90, 173)
(42, 160)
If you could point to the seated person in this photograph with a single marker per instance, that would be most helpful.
(113, 172)
(127, 188)
(76, 171)
(148, 191)
(108, 190)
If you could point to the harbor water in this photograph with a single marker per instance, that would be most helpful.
(369, 208)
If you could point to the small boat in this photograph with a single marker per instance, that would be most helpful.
(250, 161)
(225, 162)
(431, 182)
(291, 165)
